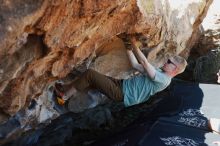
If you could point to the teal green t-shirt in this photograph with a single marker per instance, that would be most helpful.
(139, 88)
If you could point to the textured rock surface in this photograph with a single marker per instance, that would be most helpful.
(44, 40)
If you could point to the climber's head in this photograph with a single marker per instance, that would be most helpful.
(174, 65)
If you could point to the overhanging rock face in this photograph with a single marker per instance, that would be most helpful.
(44, 40)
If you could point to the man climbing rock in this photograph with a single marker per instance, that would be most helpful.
(134, 90)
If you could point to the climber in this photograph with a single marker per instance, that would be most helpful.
(134, 90)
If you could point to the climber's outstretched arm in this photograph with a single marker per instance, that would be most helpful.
(148, 68)
(134, 63)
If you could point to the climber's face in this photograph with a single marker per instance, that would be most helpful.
(170, 67)
(218, 74)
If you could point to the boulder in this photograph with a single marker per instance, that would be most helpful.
(42, 41)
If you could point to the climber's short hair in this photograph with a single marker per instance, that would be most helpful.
(180, 63)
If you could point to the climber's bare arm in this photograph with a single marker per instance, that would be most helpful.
(134, 62)
(148, 68)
